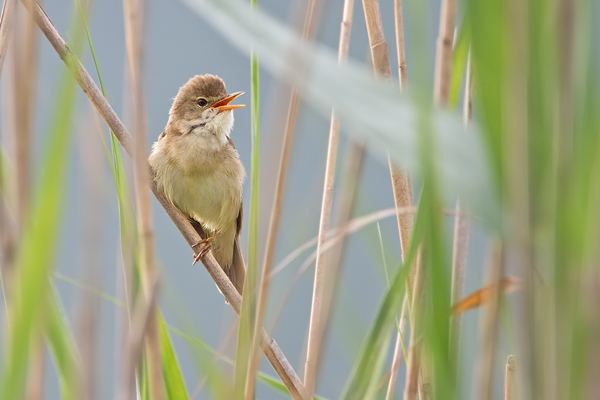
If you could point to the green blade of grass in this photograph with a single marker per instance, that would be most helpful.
(365, 375)
(246, 329)
(39, 242)
(459, 61)
(62, 347)
(174, 383)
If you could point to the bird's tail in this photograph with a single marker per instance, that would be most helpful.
(237, 271)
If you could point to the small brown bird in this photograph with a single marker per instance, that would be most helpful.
(199, 171)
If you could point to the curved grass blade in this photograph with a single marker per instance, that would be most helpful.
(365, 376)
(39, 243)
(174, 383)
(377, 112)
(62, 347)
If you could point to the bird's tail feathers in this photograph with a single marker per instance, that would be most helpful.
(237, 271)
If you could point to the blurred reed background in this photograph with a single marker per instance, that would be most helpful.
(486, 114)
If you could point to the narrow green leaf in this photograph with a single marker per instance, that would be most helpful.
(39, 243)
(367, 369)
(174, 383)
(459, 61)
(248, 311)
(62, 347)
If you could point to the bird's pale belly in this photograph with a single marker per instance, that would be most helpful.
(205, 196)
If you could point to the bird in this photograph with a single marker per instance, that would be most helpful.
(198, 169)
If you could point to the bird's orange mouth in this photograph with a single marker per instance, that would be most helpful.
(223, 105)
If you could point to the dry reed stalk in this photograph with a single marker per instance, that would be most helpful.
(343, 207)
(25, 61)
(510, 379)
(489, 326)
(133, 11)
(400, 48)
(468, 95)
(353, 156)
(274, 220)
(461, 234)
(6, 27)
(141, 319)
(516, 166)
(316, 326)
(402, 188)
(93, 218)
(337, 236)
(413, 373)
(401, 182)
(443, 56)
(272, 351)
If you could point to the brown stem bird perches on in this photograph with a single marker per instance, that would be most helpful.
(198, 169)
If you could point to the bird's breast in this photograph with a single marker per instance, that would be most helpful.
(206, 185)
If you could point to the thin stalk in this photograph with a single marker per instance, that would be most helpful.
(274, 220)
(142, 318)
(489, 326)
(343, 207)
(401, 182)
(24, 93)
(247, 357)
(272, 351)
(399, 25)
(25, 62)
(6, 26)
(412, 386)
(510, 379)
(93, 224)
(443, 55)
(461, 236)
(318, 315)
(251, 274)
(399, 352)
(516, 166)
(133, 11)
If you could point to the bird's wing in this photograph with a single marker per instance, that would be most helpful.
(237, 270)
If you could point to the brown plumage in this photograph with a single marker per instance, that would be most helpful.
(197, 167)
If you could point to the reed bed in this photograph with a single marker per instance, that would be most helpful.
(496, 298)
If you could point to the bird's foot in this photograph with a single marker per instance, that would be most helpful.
(207, 246)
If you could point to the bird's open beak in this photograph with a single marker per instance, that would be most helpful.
(223, 105)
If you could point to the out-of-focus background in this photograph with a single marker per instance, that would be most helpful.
(178, 44)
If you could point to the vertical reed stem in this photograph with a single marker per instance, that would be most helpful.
(461, 236)
(263, 294)
(316, 327)
(510, 379)
(134, 14)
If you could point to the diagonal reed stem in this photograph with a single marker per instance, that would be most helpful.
(6, 27)
(277, 359)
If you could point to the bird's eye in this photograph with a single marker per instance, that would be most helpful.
(202, 102)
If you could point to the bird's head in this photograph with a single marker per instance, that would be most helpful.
(202, 107)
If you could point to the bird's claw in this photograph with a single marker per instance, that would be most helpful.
(207, 243)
